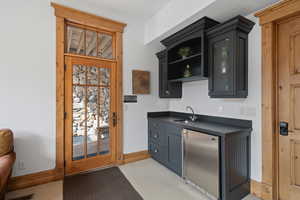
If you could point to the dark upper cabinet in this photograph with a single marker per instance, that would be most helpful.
(167, 89)
(228, 58)
(191, 65)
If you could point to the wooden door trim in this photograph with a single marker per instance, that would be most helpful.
(84, 18)
(278, 11)
(269, 19)
(63, 16)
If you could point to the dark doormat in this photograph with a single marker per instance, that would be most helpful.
(107, 184)
(27, 197)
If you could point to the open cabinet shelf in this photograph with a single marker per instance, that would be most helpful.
(189, 79)
(198, 55)
(184, 59)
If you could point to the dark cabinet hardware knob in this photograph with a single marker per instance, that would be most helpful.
(284, 128)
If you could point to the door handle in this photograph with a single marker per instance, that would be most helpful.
(114, 119)
(284, 128)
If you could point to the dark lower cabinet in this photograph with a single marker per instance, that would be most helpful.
(165, 145)
(174, 153)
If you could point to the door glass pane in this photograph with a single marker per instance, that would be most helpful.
(78, 122)
(104, 137)
(91, 111)
(105, 47)
(92, 75)
(92, 121)
(75, 40)
(104, 106)
(104, 76)
(79, 74)
(91, 43)
(104, 140)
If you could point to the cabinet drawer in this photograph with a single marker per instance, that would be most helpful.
(153, 124)
(157, 136)
(158, 152)
(156, 133)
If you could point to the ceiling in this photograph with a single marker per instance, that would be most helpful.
(136, 8)
(220, 10)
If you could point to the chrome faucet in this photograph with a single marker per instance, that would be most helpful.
(193, 117)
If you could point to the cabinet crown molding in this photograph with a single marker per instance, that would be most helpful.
(237, 23)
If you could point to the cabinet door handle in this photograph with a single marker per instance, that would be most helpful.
(155, 136)
(167, 92)
(155, 151)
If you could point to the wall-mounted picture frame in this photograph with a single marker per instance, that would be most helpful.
(140, 82)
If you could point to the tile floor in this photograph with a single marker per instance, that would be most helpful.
(152, 180)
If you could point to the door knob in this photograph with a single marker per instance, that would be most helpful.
(284, 128)
(114, 119)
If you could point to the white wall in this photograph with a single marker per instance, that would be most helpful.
(171, 16)
(196, 95)
(27, 83)
(138, 56)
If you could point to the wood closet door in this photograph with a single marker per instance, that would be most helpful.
(288, 59)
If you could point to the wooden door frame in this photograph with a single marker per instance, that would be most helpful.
(269, 18)
(64, 14)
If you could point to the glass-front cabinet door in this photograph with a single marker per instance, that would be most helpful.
(90, 107)
(222, 66)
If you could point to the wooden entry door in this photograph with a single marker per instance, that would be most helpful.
(288, 59)
(90, 104)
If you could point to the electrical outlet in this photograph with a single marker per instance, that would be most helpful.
(21, 165)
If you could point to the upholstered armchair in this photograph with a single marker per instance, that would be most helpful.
(7, 159)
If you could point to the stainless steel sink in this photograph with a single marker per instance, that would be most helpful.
(182, 121)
